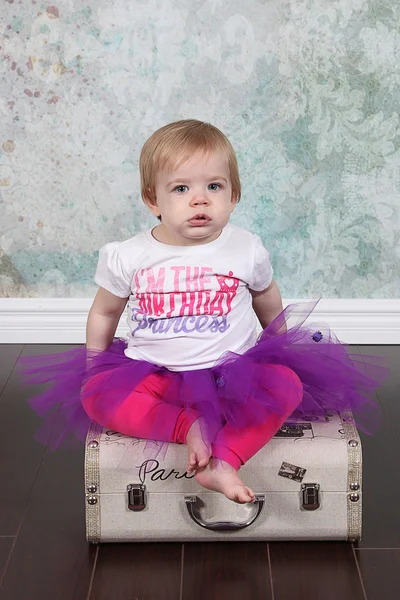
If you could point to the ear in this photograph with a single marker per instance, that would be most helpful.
(233, 201)
(151, 202)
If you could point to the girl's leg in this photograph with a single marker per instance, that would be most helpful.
(144, 414)
(237, 446)
(137, 414)
(233, 447)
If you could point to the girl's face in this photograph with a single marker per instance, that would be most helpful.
(194, 201)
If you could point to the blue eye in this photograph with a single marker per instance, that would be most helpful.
(181, 188)
(214, 187)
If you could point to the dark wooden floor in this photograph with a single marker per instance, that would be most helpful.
(44, 555)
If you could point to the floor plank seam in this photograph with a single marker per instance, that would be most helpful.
(93, 573)
(182, 563)
(12, 370)
(359, 573)
(270, 573)
(22, 520)
(3, 575)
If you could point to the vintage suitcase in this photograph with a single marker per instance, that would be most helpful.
(307, 480)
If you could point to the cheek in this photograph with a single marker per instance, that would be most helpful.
(172, 208)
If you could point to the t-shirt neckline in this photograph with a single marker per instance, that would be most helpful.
(188, 249)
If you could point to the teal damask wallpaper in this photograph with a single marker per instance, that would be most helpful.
(306, 90)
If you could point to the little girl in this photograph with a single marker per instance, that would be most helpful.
(192, 370)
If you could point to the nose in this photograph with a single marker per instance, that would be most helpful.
(199, 198)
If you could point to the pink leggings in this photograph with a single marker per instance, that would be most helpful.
(137, 413)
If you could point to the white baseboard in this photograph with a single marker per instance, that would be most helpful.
(63, 320)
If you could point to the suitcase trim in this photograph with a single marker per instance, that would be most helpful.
(92, 483)
(354, 482)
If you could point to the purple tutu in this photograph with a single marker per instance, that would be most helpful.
(333, 379)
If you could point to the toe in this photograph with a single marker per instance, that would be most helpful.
(192, 462)
(244, 495)
(250, 492)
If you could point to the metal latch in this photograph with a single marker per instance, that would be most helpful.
(310, 493)
(136, 496)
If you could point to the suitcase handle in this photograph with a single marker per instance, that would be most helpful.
(221, 525)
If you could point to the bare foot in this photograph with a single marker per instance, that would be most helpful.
(198, 451)
(220, 476)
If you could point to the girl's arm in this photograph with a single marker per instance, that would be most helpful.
(267, 304)
(103, 319)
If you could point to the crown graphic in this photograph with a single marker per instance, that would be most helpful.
(228, 284)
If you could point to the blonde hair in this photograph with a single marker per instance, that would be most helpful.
(171, 145)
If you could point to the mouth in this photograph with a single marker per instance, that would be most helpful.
(200, 219)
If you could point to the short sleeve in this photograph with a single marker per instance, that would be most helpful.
(262, 268)
(111, 273)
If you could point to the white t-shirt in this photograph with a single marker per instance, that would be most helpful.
(187, 304)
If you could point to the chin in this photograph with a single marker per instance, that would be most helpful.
(201, 232)
(210, 236)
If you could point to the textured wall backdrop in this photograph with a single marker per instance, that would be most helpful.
(307, 91)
